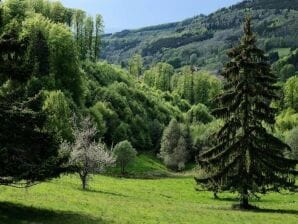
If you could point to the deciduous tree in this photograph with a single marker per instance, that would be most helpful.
(87, 156)
(125, 154)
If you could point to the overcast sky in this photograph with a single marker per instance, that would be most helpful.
(130, 14)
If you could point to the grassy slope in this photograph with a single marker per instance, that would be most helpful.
(120, 200)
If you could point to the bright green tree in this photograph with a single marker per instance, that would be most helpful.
(125, 154)
(291, 93)
(98, 33)
(136, 65)
(59, 115)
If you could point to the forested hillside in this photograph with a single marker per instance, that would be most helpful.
(170, 101)
(203, 40)
(50, 68)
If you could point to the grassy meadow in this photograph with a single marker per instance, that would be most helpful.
(168, 198)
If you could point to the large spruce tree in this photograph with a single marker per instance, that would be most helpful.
(246, 158)
(28, 153)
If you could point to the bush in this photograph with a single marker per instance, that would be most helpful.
(199, 114)
(292, 141)
(125, 154)
(291, 93)
(174, 150)
(287, 120)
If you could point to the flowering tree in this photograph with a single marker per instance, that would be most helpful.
(86, 155)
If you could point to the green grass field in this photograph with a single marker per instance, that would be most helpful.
(164, 199)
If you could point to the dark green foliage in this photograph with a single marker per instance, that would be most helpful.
(273, 57)
(287, 71)
(28, 153)
(175, 42)
(206, 36)
(269, 4)
(39, 54)
(245, 157)
(175, 62)
(13, 51)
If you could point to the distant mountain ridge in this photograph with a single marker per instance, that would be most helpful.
(206, 38)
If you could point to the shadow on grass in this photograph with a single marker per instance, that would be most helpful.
(255, 209)
(19, 214)
(141, 176)
(279, 211)
(226, 199)
(105, 192)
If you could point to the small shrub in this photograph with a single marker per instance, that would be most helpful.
(125, 154)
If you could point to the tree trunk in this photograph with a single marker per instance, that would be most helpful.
(122, 168)
(244, 200)
(84, 181)
(215, 196)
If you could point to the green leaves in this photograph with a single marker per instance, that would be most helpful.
(291, 93)
(125, 154)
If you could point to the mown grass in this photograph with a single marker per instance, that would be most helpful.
(128, 200)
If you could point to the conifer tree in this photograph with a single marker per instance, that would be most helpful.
(246, 158)
(28, 153)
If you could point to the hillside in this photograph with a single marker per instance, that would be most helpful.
(207, 37)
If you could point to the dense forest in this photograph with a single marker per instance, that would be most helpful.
(76, 100)
(203, 40)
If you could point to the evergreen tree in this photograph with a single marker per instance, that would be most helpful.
(28, 154)
(246, 158)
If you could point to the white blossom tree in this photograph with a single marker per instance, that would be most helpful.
(86, 155)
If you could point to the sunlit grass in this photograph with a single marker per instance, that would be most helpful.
(128, 200)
